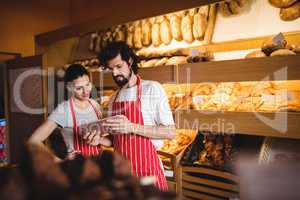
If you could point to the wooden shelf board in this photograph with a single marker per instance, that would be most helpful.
(279, 124)
(252, 69)
(163, 74)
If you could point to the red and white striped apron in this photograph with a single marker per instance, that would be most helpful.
(78, 142)
(139, 150)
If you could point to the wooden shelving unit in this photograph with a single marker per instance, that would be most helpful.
(279, 124)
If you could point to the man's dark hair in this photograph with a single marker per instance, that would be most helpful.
(113, 49)
(74, 71)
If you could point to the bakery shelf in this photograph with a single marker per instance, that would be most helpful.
(104, 79)
(278, 124)
(251, 69)
(162, 74)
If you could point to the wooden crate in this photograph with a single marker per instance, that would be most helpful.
(205, 183)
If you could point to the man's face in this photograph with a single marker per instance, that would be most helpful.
(121, 71)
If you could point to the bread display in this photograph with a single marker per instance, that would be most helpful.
(217, 150)
(290, 13)
(165, 31)
(182, 139)
(161, 62)
(274, 43)
(239, 96)
(146, 33)
(150, 63)
(282, 3)
(187, 29)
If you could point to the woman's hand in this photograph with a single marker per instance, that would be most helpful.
(94, 138)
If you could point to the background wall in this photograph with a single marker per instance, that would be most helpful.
(21, 20)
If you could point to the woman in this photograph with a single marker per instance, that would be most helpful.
(70, 114)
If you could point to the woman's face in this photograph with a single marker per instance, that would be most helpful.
(81, 88)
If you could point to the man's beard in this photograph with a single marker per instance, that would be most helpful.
(123, 81)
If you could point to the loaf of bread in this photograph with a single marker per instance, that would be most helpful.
(150, 63)
(199, 26)
(256, 54)
(204, 10)
(120, 34)
(290, 13)
(137, 36)
(155, 34)
(234, 7)
(282, 3)
(129, 38)
(176, 60)
(224, 8)
(175, 24)
(146, 33)
(161, 62)
(282, 52)
(165, 31)
(187, 29)
(192, 11)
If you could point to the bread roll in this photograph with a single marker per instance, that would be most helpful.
(282, 3)
(155, 35)
(187, 29)
(282, 52)
(290, 13)
(137, 37)
(146, 33)
(175, 24)
(256, 54)
(165, 32)
(199, 26)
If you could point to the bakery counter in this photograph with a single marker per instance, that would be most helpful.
(277, 124)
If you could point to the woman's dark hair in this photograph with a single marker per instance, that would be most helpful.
(74, 71)
(113, 49)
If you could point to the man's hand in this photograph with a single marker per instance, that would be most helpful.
(118, 124)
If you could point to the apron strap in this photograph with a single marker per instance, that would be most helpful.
(73, 114)
(95, 109)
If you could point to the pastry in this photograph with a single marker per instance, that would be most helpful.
(155, 34)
